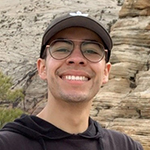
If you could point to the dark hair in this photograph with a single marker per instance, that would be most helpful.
(44, 55)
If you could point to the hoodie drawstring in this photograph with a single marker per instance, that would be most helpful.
(42, 142)
(101, 144)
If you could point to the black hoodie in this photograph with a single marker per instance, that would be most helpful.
(33, 133)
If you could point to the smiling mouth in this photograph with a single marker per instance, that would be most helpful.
(75, 78)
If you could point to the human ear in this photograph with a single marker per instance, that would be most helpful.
(41, 67)
(106, 72)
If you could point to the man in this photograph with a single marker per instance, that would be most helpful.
(74, 60)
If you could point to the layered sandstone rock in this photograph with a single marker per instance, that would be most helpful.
(133, 8)
(124, 103)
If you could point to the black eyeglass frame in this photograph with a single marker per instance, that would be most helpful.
(105, 51)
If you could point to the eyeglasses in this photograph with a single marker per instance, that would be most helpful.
(62, 48)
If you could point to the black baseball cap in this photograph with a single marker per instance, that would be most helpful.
(76, 20)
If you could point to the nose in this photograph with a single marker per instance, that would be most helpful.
(76, 57)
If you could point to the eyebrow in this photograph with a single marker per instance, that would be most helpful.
(96, 41)
(90, 40)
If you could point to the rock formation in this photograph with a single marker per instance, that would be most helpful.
(122, 104)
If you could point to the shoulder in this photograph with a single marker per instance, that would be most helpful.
(6, 140)
(114, 140)
(118, 140)
(10, 140)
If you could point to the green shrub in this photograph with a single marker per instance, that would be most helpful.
(5, 84)
(6, 94)
(15, 96)
(7, 115)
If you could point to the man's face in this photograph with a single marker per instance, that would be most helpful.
(74, 79)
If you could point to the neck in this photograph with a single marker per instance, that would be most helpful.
(69, 117)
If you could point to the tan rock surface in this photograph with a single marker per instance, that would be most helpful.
(122, 104)
(134, 8)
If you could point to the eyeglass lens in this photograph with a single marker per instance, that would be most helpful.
(62, 48)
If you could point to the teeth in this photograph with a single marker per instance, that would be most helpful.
(80, 78)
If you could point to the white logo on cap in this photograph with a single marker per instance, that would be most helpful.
(78, 13)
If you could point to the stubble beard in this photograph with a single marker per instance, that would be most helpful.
(72, 98)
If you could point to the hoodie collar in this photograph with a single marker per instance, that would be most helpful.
(34, 127)
(40, 130)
